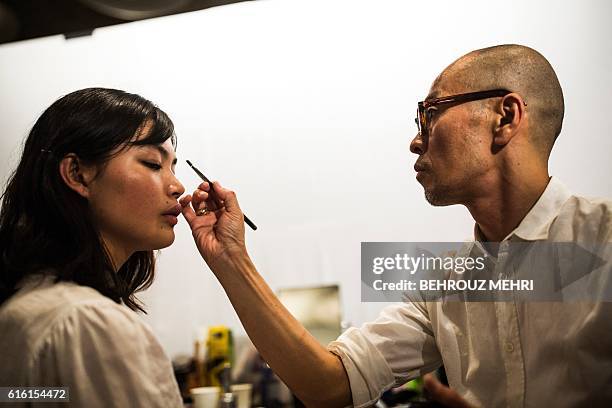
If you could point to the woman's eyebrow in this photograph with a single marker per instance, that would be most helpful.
(162, 151)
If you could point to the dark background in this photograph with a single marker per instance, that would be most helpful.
(26, 19)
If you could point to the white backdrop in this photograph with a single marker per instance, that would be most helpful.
(306, 109)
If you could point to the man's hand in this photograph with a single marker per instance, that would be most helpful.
(219, 231)
(442, 394)
(306, 366)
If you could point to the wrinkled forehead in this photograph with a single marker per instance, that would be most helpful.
(452, 80)
(441, 86)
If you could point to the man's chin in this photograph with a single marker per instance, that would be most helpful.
(437, 198)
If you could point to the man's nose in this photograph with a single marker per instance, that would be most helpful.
(418, 145)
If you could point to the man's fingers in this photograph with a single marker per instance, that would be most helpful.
(186, 209)
(209, 220)
(190, 215)
(228, 197)
(185, 200)
(218, 201)
(204, 186)
(199, 197)
(443, 394)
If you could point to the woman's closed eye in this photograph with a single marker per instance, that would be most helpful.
(152, 165)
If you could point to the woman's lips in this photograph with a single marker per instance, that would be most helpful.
(171, 216)
(171, 219)
(175, 210)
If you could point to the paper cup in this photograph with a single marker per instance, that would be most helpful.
(242, 394)
(205, 397)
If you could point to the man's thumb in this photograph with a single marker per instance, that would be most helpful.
(228, 197)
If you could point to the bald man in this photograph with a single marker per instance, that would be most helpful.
(486, 130)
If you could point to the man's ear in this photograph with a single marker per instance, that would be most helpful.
(76, 175)
(510, 116)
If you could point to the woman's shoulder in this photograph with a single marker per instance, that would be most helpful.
(39, 298)
(42, 305)
(60, 333)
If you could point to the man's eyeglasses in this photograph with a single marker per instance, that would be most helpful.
(423, 113)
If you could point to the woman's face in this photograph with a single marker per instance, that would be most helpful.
(134, 200)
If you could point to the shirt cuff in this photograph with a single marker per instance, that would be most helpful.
(368, 373)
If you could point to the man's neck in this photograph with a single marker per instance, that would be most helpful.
(499, 212)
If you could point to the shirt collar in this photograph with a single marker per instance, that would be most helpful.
(536, 223)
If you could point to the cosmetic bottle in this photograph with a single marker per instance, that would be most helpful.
(228, 400)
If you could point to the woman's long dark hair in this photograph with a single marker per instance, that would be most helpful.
(45, 225)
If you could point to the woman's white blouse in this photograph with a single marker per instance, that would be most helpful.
(69, 335)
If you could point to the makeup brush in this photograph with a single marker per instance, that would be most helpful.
(212, 190)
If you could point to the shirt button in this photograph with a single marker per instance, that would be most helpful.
(509, 347)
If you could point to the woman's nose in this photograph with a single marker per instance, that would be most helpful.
(176, 188)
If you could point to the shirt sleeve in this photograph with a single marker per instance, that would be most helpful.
(107, 357)
(395, 348)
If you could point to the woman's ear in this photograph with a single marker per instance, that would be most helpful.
(76, 175)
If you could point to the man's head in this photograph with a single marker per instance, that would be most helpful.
(469, 146)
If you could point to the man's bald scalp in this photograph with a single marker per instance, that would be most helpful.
(518, 69)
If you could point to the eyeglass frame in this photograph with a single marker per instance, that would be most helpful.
(421, 119)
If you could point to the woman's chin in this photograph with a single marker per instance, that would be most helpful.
(163, 241)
